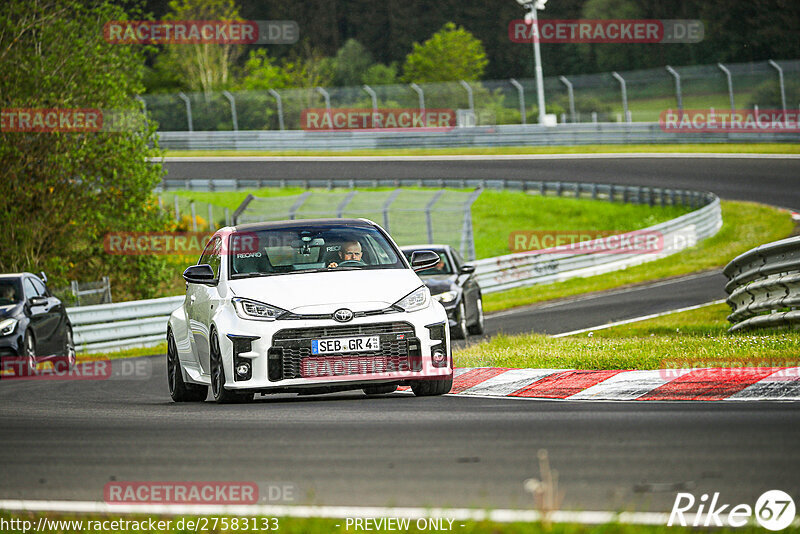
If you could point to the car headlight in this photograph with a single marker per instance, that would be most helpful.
(7, 326)
(251, 309)
(419, 299)
(447, 296)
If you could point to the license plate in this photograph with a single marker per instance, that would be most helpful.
(345, 344)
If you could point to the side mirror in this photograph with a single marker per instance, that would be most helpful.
(43, 276)
(38, 300)
(467, 269)
(199, 274)
(423, 259)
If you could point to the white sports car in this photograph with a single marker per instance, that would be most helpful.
(307, 306)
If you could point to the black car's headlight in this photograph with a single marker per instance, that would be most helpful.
(252, 309)
(447, 296)
(7, 326)
(419, 299)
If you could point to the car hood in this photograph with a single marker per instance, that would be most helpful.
(10, 310)
(440, 283)
(326, 292)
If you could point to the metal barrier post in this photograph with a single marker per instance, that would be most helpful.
(571, 96)
(521, 92)
(373, 96)
(678, 94)
(386, 206)
(421, 95)
(344, 203)
(467, 236)
(326, 96)
(230, 98)
(194, 216)
(466, 86)
(188, 109)
(211, 226)
(780, 82)
(428, 218)
(279, 102)
(724, 69)
(177, 209)
(296, 206)
(624, 90)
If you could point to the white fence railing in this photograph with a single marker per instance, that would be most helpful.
(541, 267)
(138, 323)
(144, 322)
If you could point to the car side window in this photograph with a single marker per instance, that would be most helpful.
(39, 286)
(29, 289)
(211, 255)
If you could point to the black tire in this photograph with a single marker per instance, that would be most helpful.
(218, 391)
(27, 367)
(66, 362)
(429, 388)
(383, 389)
(459, 331)
(179, 390)
(479, 326)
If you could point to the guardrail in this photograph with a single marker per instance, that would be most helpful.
(530, 268)
(137, 323)
(501, 135)
(764, 286)
(143, 322)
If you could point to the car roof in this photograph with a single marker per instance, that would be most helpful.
(295, 223)
(425, 247)
(16, 275)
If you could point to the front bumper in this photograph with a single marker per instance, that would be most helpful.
(278, 354)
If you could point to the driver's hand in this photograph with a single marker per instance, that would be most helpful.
(333, 265)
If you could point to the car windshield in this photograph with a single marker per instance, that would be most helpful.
(443, 267)
(306, 249)
(9, 292)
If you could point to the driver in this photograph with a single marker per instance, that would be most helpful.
(350, 251)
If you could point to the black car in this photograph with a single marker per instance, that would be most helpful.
(34, 326)
(452, 282)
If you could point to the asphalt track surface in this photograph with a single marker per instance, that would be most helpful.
(67, 439)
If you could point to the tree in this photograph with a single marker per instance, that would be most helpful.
(452, 53)
(60, 193)
(203, 67)
(351, 63)
(380, 74)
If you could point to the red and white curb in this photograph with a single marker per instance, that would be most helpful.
(706, 384)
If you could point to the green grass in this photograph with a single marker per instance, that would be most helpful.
(686, 339)
(125, 353)
(734, 148)
(332, 526)
(496, 214)
(745, 226)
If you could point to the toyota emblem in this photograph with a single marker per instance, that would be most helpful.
(343, 315)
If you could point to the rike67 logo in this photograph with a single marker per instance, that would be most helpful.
(774, 510)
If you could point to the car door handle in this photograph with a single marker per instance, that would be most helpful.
(192, 299)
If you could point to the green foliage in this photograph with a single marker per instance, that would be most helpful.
(452, 53)
(261, 72)
(768, 95)
(351, 63)
(380, 74)
(201, 67)
(60, 193)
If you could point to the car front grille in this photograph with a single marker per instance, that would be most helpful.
(297, 361)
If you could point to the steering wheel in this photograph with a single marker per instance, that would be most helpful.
(351, 263)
